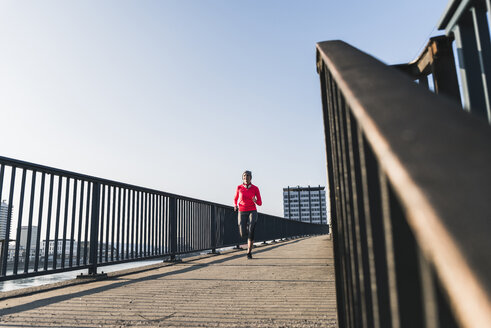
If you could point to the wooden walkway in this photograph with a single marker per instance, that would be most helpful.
(286, 284)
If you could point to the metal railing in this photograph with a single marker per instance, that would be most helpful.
(53, 220)
(467, 22)
(410, 195)
(438, 62)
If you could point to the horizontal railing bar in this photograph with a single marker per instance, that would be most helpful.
(43, 273)
(436, 156)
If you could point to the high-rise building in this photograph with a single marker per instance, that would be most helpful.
(306, 204)
(4, 208)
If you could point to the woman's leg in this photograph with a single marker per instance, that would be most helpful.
(242, 221)
(252, 227)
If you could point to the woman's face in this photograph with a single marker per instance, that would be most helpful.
(246, 178)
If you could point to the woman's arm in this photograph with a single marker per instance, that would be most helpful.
(236, 198)
(258, 200)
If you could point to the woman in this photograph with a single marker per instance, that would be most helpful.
(248, 196)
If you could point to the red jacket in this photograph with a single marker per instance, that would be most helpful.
(246, 197)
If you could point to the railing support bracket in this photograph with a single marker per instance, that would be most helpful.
(173, 259)
(95, 276)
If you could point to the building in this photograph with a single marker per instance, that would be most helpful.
(59, 248)
(24, 234)
(4, 208)
(306, 204)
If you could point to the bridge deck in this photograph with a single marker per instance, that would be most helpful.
(287, 284)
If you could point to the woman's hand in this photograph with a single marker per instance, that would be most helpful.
(235, 208)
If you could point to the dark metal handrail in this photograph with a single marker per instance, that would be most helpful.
(410, 191)
(57, 220)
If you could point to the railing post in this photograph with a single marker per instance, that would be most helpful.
(94, 229)
(213, 230)
(5, 245)
(444, 73)
(173, 227)
(470, 68)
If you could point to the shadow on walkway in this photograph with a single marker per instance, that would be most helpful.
(55, 299)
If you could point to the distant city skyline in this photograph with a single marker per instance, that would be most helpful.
(183, 96)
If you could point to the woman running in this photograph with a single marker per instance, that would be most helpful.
(248, 196)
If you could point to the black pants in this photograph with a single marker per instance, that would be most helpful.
(247, 224)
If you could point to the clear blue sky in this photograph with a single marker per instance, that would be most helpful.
(184, 95)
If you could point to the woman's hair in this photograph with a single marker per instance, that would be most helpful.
(248, 173)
